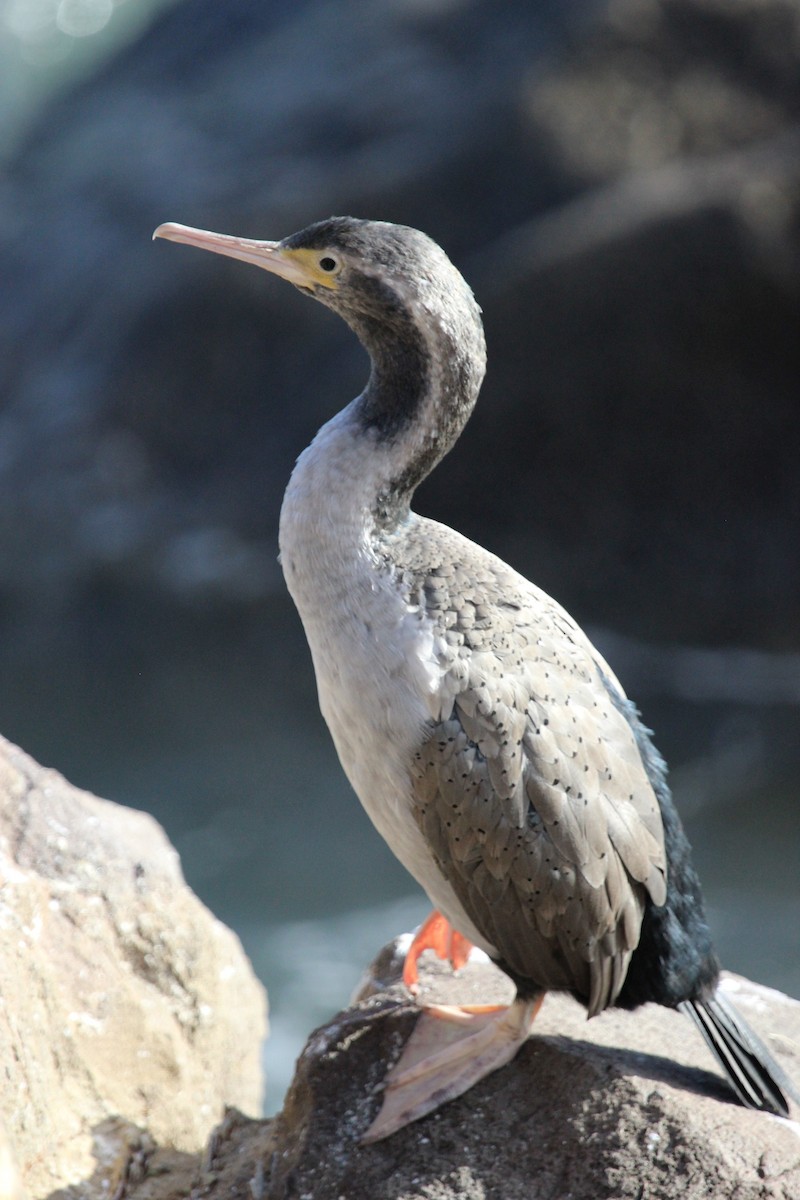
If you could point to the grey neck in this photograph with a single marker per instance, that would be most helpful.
(422, 388)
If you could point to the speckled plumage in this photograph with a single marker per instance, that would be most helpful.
(528, 784)
(487, 739)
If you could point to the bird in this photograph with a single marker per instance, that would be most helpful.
(487, 739)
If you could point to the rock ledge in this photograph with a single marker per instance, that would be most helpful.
(627, 1106)
(126, 1006)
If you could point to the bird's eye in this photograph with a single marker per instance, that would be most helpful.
(328, 263)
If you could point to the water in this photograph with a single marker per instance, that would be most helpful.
(212, 724)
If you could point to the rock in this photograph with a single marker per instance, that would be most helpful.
(129, 1014)
(659, 282)
(11, 1186)
(628, 1106)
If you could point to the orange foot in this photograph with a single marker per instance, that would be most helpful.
(436, 933)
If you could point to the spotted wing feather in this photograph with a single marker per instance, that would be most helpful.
(531, 791)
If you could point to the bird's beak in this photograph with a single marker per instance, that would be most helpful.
(296, 266)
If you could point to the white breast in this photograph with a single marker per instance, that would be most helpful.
(373, 652)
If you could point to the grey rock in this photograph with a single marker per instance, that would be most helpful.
(628, 1106)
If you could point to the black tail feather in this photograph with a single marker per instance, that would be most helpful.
(752, 1072)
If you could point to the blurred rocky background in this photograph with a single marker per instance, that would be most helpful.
(620, 182)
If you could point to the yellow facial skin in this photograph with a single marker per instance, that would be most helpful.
(309, 261)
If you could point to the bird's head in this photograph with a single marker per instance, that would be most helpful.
(364, 270)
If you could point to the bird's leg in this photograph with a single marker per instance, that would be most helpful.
(449, 1051)
(436, 933)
